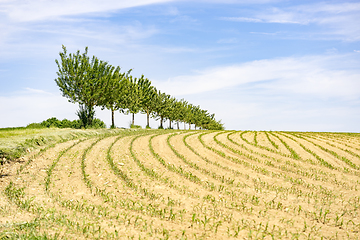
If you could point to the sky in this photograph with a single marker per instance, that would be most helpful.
(257, 64)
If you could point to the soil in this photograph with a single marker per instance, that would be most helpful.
(186, 184)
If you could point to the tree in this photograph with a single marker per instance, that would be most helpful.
(172, 111)
(83, 80)
(85, 113)
(162, 107)
(148, 96)
(134, 98)
(116, 94)
(189, 117)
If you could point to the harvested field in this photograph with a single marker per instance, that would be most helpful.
(169, 184)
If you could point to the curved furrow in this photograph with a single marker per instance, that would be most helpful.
(263, 141)
(20, 192)
(239, 202)
(293, 159)
(164, 184)
(291, 190)
(268, 158)
(161, 178)
(309, 184)
(237, 137)
(324, 157)
(177, 144)
(304, 209)
(346, 146)
(257, 202)
(313, 172)
(350, 157)
(342, 159)
(159, 215)
(193, 143)
(208, 187)
(112, 220)
(251, 146)
(349, 138)
(218, 181)
(195, 206)
(264, 164)
(34, 197)
(183, 190)
(249, 137)
(162, 147)
(195, 148)
(84, 197)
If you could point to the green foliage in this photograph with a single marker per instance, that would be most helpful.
(135, 126)
(65, 123)
(55, 123)
(148, 96)
(86, 116)
(82, 80)
(116, 94)
(92, 82)
(97, 123)
(34, 125)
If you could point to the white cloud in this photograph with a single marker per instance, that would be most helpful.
(313, 75)
(339, 20)
(74, 36)
(35, 10)
(242, 19)
(228, 40)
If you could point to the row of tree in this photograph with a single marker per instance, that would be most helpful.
(95, 83)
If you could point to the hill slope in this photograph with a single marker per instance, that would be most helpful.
(172, 184)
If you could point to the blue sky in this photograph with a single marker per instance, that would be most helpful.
(258, 65)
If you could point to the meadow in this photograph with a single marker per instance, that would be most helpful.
(176, 184)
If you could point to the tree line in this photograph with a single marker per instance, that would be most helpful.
(91, 83)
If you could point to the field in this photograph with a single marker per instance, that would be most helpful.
(172, 184)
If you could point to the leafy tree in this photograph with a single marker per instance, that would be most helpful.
(134, 98)
(83, 80)
(162, 107)
(51, 122)
(85, 113)
(116, 94)
(189, 117)
(172, 111)
(148, 97)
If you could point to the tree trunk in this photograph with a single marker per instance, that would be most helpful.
(147, 118)
(178, 125)
(161, 122)
(184, 126)
(169, 124)
(89, 116)
(189, 126)
(112, 119)
(133, 119)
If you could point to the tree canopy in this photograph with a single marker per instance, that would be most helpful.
(91, 83)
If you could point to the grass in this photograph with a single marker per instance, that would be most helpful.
(16, 142)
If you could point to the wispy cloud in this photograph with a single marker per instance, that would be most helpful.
(312, 75)
(339, 20)
(35, 10)
(243, 19)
